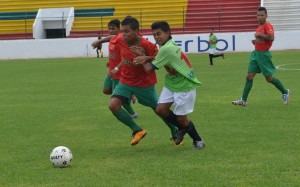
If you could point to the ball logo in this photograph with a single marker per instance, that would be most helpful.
(57, 157)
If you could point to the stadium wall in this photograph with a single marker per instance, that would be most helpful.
(191, 43)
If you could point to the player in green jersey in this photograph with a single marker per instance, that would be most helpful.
(180, 82)
(213, 46)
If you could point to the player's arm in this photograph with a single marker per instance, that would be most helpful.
(264, 36)
(212, 41)
(138, 51)
(146, 62)
(116, 69)
(97, 43)
(149, 67)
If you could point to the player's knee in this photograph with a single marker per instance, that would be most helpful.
(269, 79)
(161, 111)
(114, 105)
(183, 120)
(249, 76)
(107, 91)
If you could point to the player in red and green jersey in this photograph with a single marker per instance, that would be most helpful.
(114, 58)
(213, 40)
(134, 78)
(261, 59)
(180, 82)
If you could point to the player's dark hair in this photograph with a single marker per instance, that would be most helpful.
(163, 25)
(132, 22)
(115, 22)
(263, 9)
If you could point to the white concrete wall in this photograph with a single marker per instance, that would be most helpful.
(192, 43)
(52, 18)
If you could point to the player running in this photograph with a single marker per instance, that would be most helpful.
(114, 58)
(180, 82)
(261, 59)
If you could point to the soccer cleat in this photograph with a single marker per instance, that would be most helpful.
(137, 136)
(239, 102)
(134, 116)
(178, 137)
(198, 145)
(286, 97)
(223, 56)
(174, 140)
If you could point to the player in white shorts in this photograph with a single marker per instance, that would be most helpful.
(183, 102)
(180, 83)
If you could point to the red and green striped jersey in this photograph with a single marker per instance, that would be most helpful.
(181, 76)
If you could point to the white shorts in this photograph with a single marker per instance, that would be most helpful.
(183, 102)
(212, 51)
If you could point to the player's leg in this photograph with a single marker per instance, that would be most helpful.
(253, 68)
(211, 54)
(219, 55)
(163, 110)
(107, 85)
(101, 52)
(128, 107)
(148, 97)
(97, 51)
(248, 85)
(183, 105)
(276, 82)
(126, 104)
(268, 69)
(133, 99)
(285, 92)
(211, 59)
(247, 88)
(165, 101)
(121, 94)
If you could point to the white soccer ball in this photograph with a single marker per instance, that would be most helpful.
(61, 156)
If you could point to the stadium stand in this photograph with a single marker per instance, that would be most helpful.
(287, 18)
(184, 16)
(222, 15)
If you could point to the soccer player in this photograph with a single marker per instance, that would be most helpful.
(180, 82)
(99, 47)
(113, 76)
(261, 59)
(134, 79)
(213, 46)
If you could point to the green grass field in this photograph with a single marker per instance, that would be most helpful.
(45, 103)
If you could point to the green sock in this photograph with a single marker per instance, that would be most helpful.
(125, 118)
(247, 88)
(278, 85)
(128, 108)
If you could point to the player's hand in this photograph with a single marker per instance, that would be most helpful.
(113, 72)
(138, 51)
(95, 44)
(259, 35)
(140, 60)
